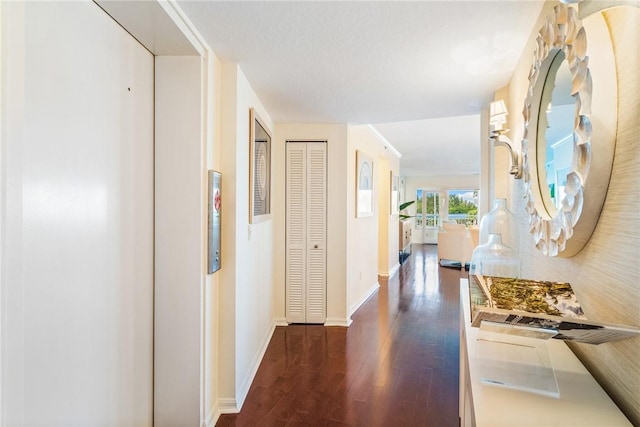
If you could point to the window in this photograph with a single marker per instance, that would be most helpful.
(463, 206)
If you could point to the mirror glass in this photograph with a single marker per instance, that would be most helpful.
(555, 140)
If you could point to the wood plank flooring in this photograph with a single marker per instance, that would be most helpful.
(396, 365)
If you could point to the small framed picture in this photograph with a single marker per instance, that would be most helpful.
(394, 193)
(213, 223)
(364, 184)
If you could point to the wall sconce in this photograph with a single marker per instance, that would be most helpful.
(498, 117)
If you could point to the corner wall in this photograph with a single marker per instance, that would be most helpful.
(246, 283)
(606, 273)
(385, 264)
(212, 287)
(364, 239)
(178, 239)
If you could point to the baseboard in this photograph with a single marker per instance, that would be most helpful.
(212, 415)
(372, 290)
(227, 406)
(394, 269)
(281, 321)
(222, 406)
(241, 394)
(336, 321)
(390, 273)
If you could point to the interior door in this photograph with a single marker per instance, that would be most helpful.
(306, 208)
(430, 216)
(77, 282)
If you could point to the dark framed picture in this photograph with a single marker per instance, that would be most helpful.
(259, 169)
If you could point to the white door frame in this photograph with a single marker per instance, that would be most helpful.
(429, 234)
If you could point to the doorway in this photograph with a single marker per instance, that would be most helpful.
(428, 215)
(306, 231)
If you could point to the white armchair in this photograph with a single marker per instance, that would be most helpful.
(455, 244)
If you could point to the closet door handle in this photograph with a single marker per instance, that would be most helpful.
(315, 246)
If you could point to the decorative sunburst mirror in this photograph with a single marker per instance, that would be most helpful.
(568, 164)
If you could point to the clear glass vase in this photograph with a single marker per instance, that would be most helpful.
(494, 258)
(500, 220)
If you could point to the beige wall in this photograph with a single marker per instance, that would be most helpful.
(375, 237)
(353, 259)
(211, 292)
(384, 211)
(606, 273)
(246, 278)
(336, 137)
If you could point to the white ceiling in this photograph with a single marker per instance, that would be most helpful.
(436, 147)
(375, 62)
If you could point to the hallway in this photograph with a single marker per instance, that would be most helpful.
(397, 365)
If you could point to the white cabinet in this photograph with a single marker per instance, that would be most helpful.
(405, 235)
(306, 228)
(582, 401)
(430, 235)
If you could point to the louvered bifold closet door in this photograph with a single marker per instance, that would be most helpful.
(316, 232)
(296, 239)
(306, 232)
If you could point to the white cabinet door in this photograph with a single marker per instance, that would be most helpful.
(77, 218)
(306, 208)
(296, 237)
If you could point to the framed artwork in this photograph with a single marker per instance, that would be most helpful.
(259, 169)
(394, 193)
(364, 185)
(214, 202)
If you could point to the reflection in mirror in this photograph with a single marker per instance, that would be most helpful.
(556, 144)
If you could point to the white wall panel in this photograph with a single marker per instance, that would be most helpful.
(246, 277)
(316, 195)
(179, 270)
(296, 232)
(77, 287)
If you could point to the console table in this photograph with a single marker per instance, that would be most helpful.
(582, 401)
(404, 240)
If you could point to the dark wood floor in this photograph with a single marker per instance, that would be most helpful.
(397, 365)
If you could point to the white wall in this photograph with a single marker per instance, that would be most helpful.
(384, 220)
(337, 202)
(179, 253)
(246, 277)
(77, 218)
(363, 233)
(212, 285)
